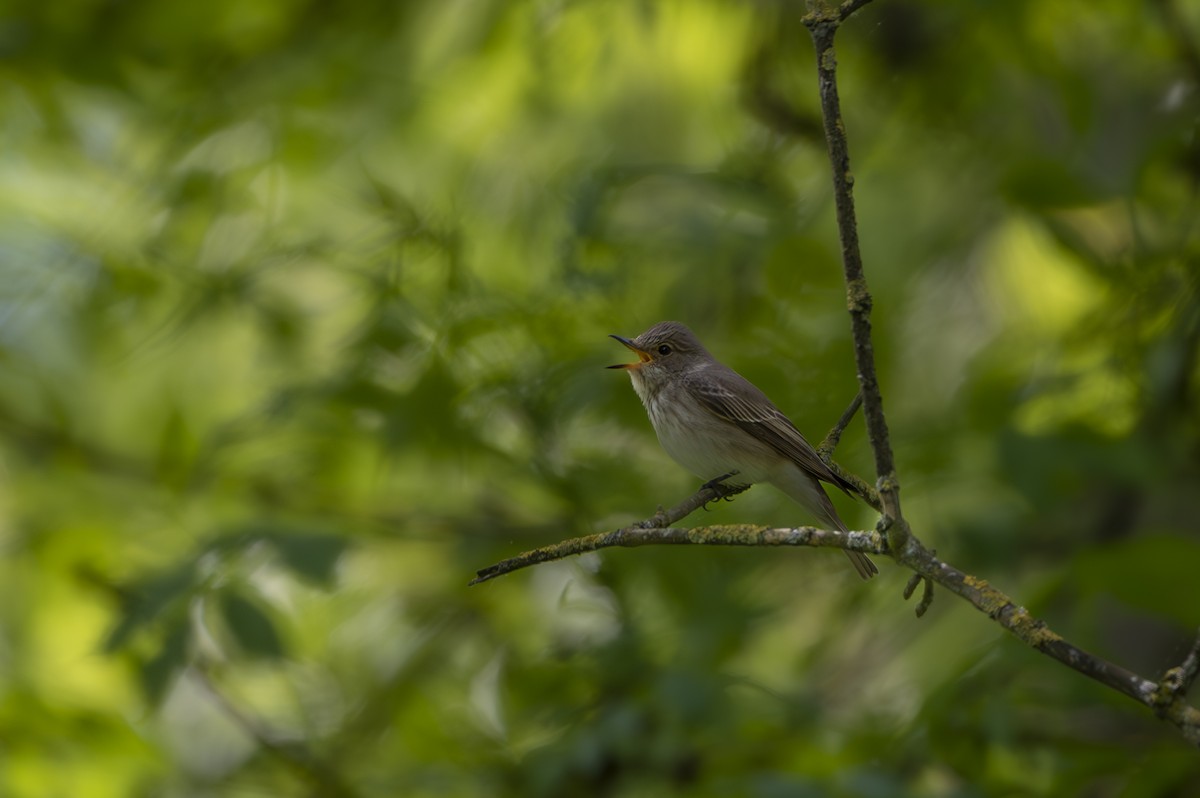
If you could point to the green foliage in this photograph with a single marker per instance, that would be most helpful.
(252, 629)
(302, 320)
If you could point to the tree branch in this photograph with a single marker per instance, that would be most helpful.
(660, 520)
(726, 535)
(1165, 699)
(823, 25)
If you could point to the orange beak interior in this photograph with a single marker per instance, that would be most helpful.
(643, 356)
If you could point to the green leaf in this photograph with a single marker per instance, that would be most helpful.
(252, 629)
(311, 556)
(150, 600)
(160, 670)
(1042, 183)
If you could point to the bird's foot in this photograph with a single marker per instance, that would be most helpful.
(715, 482)
(722, 489)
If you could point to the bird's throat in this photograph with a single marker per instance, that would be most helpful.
(644, 388)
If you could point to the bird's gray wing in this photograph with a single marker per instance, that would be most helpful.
(735, 399)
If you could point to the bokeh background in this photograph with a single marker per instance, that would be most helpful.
(302, 320)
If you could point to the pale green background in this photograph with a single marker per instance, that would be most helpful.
(302, 319)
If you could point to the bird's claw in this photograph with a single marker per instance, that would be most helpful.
(723, 490)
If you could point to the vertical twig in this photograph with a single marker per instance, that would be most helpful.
(823, 26)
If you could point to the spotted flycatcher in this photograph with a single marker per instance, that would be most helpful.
(714, 422)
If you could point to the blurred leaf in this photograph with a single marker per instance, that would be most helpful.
(311, 556)
(1047, 184)
(160, 670)
(252, 629)
(282, 325)
(362, 258)
(176, 446)
(149, 600)
(1155, 573)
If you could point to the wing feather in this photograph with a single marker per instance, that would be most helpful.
(735, 399)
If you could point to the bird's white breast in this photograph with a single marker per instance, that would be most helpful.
(701, 441)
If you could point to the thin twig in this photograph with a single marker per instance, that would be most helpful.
(825, 451)
(849, 7)
(861, 487)
(726, 535)
(1177, 681)
(835, 435)
(706, 494)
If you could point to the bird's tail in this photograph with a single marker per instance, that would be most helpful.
(862, 563)
(806, 491)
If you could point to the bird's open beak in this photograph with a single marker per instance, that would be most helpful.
(643, 356)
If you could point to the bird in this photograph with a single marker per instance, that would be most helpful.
(720, 426)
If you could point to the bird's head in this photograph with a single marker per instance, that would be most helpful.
(666, 348)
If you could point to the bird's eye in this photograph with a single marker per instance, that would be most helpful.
(664, 349)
